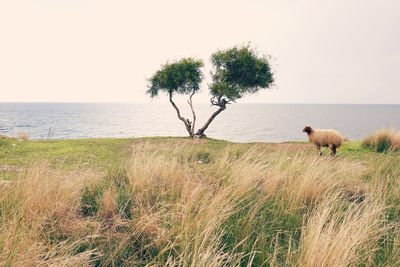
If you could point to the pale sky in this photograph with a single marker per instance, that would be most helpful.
(324, 51)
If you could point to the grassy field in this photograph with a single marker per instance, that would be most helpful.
(179, 202)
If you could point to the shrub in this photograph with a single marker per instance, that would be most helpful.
(23, 136)
(383, 140)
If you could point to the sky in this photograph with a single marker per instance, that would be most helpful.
(322, 51)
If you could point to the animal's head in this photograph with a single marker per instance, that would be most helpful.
(308, 130)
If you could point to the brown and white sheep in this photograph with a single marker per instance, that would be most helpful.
(325, 138)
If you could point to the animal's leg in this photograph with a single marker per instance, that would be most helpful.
(319, 149)
(333, 148)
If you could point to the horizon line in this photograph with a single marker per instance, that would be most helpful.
(131, 102)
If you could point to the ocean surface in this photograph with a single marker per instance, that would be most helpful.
(239, 122)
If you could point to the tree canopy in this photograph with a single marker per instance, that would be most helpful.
(239, 71)
(182, 77)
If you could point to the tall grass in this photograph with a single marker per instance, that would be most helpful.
(383, 140)
(39, 222)
(185, 205)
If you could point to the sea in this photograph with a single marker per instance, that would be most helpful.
(238, 123)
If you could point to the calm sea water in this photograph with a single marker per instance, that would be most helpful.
(239, 122)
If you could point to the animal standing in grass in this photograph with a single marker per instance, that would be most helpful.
(325, 138)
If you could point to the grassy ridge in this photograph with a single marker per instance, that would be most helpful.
(178, 202)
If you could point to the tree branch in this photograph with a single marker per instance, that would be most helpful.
(194, 114)
(187, 126)
(222, 106)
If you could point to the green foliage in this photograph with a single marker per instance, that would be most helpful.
(239, 71)
(117, 177)
(383, 145)
(2, 141)
(270, 226)
(93, 193)
(90, 200)
(182, 77)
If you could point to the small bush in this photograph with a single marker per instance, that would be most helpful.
(383, 140)
(23, 136)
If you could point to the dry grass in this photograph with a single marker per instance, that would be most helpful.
(341, 234)
(39, 214)
(383, 140)
(189, 206)
(23, 136)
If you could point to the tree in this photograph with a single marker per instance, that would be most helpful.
(236, 72)
(182, 77)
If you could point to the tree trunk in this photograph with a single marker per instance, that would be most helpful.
(194, 114)
(187, 126)
(200, 132)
